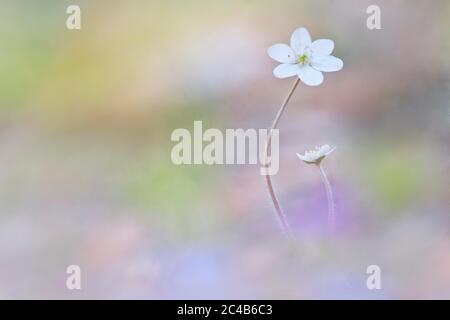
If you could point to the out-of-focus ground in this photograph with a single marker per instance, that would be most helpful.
(86, 179)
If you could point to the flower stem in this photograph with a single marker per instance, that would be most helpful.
(330, 199)
(280, 214)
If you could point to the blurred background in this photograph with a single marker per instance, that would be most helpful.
(85, 124)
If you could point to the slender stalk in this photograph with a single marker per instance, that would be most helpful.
(280, 214)
(330, 198)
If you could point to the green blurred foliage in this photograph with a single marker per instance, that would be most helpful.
(398, 177)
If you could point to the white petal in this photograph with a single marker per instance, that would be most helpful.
(310, 76)
(286, 70)
(325, 149)
(300, 39)
(322, 47)
(327, 63)
(304, 158)
(282, 53)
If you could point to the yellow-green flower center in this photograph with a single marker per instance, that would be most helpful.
(303, 59)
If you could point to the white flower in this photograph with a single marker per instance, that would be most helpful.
(317, 155)
(305, 58)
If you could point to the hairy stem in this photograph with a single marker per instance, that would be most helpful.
(280, 214)
(330, 199)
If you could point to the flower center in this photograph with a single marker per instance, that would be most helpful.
(304, 56)
(303, 59)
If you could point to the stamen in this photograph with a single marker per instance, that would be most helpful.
(303, 59)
